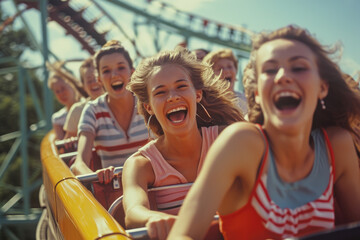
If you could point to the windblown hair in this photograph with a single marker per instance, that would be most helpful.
(86, 64)
(220, 103)
(201, 49)
(110, 47)
(225, 53)
(57, 70)
(342, 103)
(354, 86)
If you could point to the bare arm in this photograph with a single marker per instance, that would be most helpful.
(59, 132)
(213, 189)
(347, 182)
(82, 162)
(72, 119)
(69, 134)
(137, 175)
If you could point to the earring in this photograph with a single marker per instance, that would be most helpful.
(148, 121)
(207, 113)
(322, 102)
(148, 126)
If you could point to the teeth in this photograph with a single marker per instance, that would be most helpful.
(117, 83)
(178, 121)
(176, 109)
(287, 94)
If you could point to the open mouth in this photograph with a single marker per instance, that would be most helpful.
(177, 115)
(287, 100)
(118, 85)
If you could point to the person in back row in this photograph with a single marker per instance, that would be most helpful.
(186, 106)
(67, 96)
(225, 64)
(111, 122)
(200, 53)
(92, 87)
(278, 176)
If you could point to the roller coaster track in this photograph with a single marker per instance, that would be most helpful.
(87, 21)
(92, 23)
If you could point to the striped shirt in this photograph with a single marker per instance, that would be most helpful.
(262, 218)
(111, 142)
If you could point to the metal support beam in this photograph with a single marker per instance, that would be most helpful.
(24, 143)
(10, 156)
(35, 97)
(48, 103)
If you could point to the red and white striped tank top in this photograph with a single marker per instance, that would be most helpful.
(261, 218)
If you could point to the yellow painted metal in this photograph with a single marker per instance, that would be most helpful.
(77, 213)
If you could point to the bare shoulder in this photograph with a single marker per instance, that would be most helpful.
(243, 131)
(240, 145)
(338, 134)
(340, 139)
(343, 149)
(138, 161)
(138, 165)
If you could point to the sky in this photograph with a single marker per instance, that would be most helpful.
(330, 21)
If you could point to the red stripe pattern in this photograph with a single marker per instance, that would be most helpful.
(122, 147)
(318, 214)
(102, 115)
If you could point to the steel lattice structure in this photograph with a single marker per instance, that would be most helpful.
(91, 23)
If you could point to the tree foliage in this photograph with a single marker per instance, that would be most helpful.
(13, 42)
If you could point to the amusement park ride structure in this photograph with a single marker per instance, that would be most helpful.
(85, 21)
(91, 23)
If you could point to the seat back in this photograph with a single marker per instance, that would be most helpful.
(106, 194)
(95, 162)
(66, 145)
(69, 158)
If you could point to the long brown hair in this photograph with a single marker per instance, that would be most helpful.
(342, 103)
(112, 46)
(220, 103)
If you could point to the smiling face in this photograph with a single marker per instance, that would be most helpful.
(289, 85)
(227, 69)
(114, 74)
(172, 98)
(64, 93)
(91, 85)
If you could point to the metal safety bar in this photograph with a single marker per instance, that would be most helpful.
(91, 177)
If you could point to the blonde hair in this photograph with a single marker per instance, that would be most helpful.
(225, 53)
(57, 70)
(53, 79)
(220, 103)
